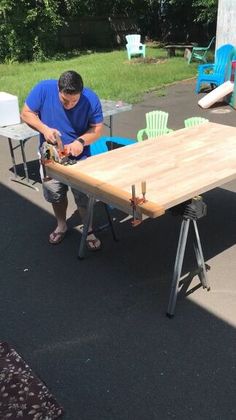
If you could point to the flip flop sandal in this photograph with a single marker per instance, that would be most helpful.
(56, 237)
(93, 243)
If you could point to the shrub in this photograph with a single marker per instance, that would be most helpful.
(28, 29)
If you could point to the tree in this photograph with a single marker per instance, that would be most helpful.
(205, 11)
(182, 20)
(28, 29)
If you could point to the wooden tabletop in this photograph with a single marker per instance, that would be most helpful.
(176, 167)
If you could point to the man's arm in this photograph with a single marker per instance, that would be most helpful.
(32, 119)
(93, 133)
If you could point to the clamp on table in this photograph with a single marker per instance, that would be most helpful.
(137, 216)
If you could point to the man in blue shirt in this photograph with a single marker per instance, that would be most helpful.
(72, 111)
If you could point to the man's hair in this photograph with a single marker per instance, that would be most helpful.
(70, 82)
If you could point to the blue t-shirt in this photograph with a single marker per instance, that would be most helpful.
(71, 123)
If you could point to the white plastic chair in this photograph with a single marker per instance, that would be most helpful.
(134, 46)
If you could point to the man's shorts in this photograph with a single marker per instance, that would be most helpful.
(55, 191)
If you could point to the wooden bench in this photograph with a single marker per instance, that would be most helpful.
(186, 47)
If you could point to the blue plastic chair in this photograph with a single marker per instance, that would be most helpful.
(215, 74)
(100, 146)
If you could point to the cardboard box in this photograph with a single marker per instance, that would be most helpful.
(9, 109)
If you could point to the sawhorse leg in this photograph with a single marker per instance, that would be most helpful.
(88, 218)
(200, 258)
(110, 222)
(179, 263)
(87, 223)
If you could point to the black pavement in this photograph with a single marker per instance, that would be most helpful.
(95, 331)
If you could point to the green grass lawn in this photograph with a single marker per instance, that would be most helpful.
(110, 74)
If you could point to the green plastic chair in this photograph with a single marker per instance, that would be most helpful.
(200, 53)
(134, 46)
(156, 125)
(193, 121)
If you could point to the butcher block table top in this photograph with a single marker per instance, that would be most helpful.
(176, 167)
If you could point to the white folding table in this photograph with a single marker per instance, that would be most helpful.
(19, 134)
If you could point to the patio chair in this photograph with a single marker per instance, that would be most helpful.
(193, 121)
(101, 145)
(156, 125)
(215, 74)
(134, 46)
(200, 53)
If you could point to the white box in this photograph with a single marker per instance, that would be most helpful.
(9, 109)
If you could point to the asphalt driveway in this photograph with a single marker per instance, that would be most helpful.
(95, 331)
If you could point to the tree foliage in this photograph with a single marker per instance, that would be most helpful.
(29, 28)
(206, 10)
(188, 19)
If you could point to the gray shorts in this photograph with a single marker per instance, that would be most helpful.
(55, 191)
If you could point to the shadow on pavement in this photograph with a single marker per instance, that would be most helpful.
(95, 331)
(33, 171)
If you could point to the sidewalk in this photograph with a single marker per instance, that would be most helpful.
(95, 331)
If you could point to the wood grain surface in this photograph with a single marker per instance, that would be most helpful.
(176, 167)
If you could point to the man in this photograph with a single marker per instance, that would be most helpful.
(67, 109)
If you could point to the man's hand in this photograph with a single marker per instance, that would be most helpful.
(50, 134)
(75, 148)
(32, 119)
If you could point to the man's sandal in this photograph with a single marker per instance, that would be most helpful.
(92, 242)
(56, 237)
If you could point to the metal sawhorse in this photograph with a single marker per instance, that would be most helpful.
(190, 212)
